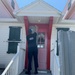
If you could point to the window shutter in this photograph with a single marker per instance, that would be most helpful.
(58, 29)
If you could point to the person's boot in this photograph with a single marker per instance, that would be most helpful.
(36, 72)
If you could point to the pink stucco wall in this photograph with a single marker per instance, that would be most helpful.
(69, 14)
(6, 10)
(65, 8)
(72, 17)
(16, 5)
(3, 11)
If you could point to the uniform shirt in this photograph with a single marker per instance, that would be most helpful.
(31, 39)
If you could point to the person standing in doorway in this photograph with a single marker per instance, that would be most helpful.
(32, 50)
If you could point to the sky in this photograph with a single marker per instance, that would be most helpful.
(58, 4)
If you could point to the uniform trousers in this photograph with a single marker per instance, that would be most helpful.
(32, 52)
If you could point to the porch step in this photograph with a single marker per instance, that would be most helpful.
(39, 73)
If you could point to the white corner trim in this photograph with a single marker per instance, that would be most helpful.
(8, 20)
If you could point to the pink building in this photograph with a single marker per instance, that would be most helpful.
(69, 10)
(14, 24)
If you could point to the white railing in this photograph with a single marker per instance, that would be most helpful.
(12, 68)
(55, 62)
(56, 65)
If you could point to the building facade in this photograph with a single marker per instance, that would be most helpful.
(14, 25)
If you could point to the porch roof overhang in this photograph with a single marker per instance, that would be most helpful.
(38, 13)
(38, 9)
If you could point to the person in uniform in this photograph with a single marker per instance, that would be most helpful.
(32, 50)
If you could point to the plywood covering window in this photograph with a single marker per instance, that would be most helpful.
(14, 38)
(58, 29)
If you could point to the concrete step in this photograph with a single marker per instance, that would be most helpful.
(39, 73)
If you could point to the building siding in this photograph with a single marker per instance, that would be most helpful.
(4, 31)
